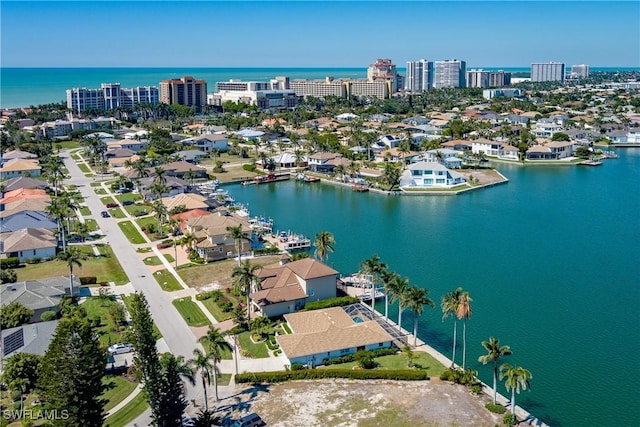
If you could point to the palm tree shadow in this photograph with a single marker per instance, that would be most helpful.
(242, 400)
(537, 410)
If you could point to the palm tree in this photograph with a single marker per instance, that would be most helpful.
(494, 353)
(324, 244)
(449, 306)
(517, 378)
(216, 344)
(375, 268)
(464, 312)
(71, 256)
(202, 362)
(161, 211)
(388, 277)
(160, 178)
(339, 171)
(236, 233)
(417, 299)
(187, 241)
(244, 280)
(399, 292)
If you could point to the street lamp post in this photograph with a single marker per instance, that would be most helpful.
(235, 351)
(175, 252)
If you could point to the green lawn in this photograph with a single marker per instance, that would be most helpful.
(399, 361)
(92, 225)
(98, 307)
(99, 190)
(85, 211)
(215, 310)
(106, 268)
(107, 199)
(126, 299)
(97, 184)
(118, 388)
(256, 351)
(144, 222)
(116, 213)
(169, 258)
(166, 281)
(64, 145)
(143, 250)
(129, 197)
(129, 412)
(152, 260)
(190, 312)
(131, 232)
(84, 168)
(134, 209)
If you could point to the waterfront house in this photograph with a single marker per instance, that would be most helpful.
(429, 175)
(445, 156)
(545, 129)
(562, 149)
(172, 184)
(212, 237)
(457, 144)
(286, 287)
(190, 201)
(19, 167)
(539, 152)
(191, 156)
(319, 335)
(185, 216)
(319, 162)
(28, 243)
(181, 169)
(497, 149)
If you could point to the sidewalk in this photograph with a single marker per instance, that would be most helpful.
(124, 401)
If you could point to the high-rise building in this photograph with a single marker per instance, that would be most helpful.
(319, 88)
(482, 78)
(184, 91)
(449, 73)
(110, 96)
(383, 69)
(419, 76)
(580, 71)
(274, 94)
(547, 72)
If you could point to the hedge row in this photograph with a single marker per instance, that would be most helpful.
(387, 351)
(331, 302)
(11, 262)
(313, 374)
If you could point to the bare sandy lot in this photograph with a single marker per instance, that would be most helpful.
(363, 403)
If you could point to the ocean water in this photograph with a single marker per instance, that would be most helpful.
(22, 87)
(551, 260)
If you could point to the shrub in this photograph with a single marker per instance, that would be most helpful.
(296, 373)
(496, 409)
(266, 251)
(277, 352)
(8, 276)
(367, 362)
(476, 389)
(249, 168)
(331, 302)
(225, 304)
(34, 260)
(509, 420)
(11, 262)
(48, 315)
(88, 280)
(359, 355)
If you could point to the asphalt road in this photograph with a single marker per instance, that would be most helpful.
(179, 338)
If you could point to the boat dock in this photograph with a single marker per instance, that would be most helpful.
(266, 179)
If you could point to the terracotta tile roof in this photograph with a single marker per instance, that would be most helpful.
(322, 331)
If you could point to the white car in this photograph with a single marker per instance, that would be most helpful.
(120, 348)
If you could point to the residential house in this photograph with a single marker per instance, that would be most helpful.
(445, 156)
(190, 201)
(118, 156)
(497, 149)
(319, 335)
(633, 137)
(562, 149)
(40, 204)
(390, 141)
(208, 142)
(457, 144)
(19, 167)
(545, 129)
(26, 219)
(39, 295)
(23, 182)
(16, 154)
(213, 240)
(540, 152)
(284, 160)
(185, 216)
(28, 243)
(319, 162)
(430, 175)
(249, 134)
(173, 185)
(29, 338)
(22, 194)
(191, 156)
(395, 155)
(134, 145)
(287, 286)
(182, 169)
(618, 136)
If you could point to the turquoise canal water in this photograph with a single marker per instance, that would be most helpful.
(551, 260)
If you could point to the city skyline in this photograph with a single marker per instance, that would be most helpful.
(331, 34)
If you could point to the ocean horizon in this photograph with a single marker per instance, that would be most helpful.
(27, 86)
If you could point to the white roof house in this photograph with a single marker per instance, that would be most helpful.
(430, 175)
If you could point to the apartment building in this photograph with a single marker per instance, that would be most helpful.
(449, 73)
(370, 89)
(419, 76)
(547, 72)
(110, 96)
(319, 88)
(483, 78)
(274, 94)
(383, 69)
(579, 71)
(184, 91)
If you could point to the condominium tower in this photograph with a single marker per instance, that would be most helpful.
(110, 96)
(580, 71)
(547, 72)
(449, 73)
(419, 76)
(483, 78)
(383, 69)
(184, 91)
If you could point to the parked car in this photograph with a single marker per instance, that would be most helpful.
(141, 213)
(74, 238)
(112, 205)
(249, 420)
(127, 203)
(120, 348)
(105, 214)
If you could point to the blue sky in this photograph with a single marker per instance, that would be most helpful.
(316, 33)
